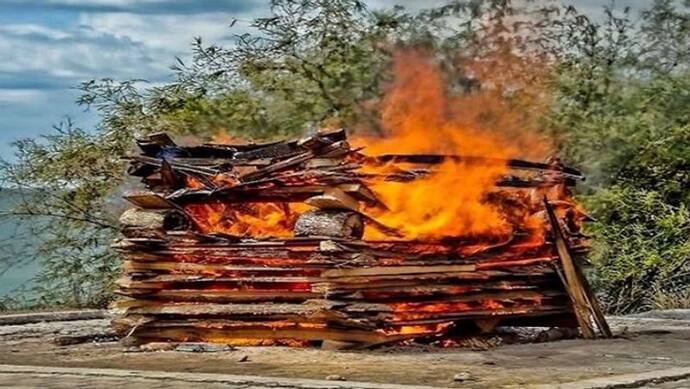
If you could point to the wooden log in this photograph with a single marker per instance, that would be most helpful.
(332, 223)
(162, 220)
(137, 223)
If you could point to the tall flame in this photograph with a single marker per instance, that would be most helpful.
(419, 116)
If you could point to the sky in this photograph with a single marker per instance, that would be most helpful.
(47, 47)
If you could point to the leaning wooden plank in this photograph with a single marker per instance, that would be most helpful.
(572, 282)
(592, 300)
(597, 312)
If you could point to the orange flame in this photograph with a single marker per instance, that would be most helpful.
(419, 117)
(254, 219)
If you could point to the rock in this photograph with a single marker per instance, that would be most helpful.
(203, 347)
(244, 359)
(335, 377)
(462, 376)
(158, 346)
(557, 333)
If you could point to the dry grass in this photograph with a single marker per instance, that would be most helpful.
(671, 300)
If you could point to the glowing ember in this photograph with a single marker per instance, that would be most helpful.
(255, 219)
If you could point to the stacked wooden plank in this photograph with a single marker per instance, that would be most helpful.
(261, 244)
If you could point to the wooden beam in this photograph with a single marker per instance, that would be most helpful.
(572, 282)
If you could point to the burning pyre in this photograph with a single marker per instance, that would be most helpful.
(299, 242)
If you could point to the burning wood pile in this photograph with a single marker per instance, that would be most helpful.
(288, 243)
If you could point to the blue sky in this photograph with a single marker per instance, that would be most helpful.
(48, 46)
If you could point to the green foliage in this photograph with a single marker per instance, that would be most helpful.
(66, 176)
(624, 116)
(641, 249)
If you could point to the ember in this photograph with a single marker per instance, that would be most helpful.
(304, 241)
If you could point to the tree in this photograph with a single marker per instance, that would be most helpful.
(621, 112)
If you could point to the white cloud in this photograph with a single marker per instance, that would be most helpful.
(21, 96)
(170, 33)
(152, 7)
(35, 54)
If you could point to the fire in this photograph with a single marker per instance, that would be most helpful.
(255, 219)
(419, 116)
(419, 329)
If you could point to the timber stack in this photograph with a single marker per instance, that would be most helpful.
(279, 244)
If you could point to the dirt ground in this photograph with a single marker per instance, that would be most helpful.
(644, 344)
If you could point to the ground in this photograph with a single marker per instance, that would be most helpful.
(648, 352)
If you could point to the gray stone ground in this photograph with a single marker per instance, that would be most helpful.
(73, 382)
(651, 350)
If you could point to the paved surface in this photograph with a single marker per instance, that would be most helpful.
(54, 377)
(59, 377)
(646, 348)
(70, 382)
